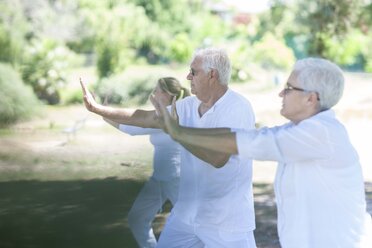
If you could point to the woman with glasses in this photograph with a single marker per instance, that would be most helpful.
(164, 183)
(319, 184)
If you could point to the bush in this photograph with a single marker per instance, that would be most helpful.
(241, 59)
(17, 101)
(13, 31)
(367, 54)
(345, 52)
(121, 89)
(273, 53)
(181, 48)
(71, 96)
(44, 68)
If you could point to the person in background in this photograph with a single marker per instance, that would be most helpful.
(164, 183)
(319, 184)
(215, 202)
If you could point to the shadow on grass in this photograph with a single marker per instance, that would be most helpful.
(66, 213)
(93, 213)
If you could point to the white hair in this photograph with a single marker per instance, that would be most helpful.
(323, 77)
(215, 58)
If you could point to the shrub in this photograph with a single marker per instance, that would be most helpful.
(44, 68)
(273, 53)
(13, 31)
(181, 48)
(345, 52)
(121, 89)
(241, 58)
(71, 96)
(17, 101)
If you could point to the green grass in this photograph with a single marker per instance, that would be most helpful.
(78, 213)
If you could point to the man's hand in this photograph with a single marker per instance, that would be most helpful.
(169, 121)
(89, 101)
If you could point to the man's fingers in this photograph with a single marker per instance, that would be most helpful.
(174, 108)
(163, 109)
(83, 86)
(155, 104)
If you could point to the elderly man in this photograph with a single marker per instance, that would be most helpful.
(215, 205)
(319, 185)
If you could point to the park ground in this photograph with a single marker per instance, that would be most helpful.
(65, 189)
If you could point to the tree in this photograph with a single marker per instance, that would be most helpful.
(326, 19)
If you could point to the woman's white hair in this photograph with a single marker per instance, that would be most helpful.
(215, 58)
(321, 76)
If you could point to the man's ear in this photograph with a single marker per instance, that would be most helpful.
(313, 98)
(213, 73)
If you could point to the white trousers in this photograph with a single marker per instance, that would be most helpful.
(147, 204)
(177, 234)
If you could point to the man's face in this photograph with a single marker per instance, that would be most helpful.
(295, 100)
(198, 79)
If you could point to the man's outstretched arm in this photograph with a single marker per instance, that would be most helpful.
(213, 145)
(137, 117)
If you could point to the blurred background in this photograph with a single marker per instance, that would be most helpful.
(67, 179)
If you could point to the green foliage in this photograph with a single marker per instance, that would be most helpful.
(17, 101)
(367, 53)
(208, 30)
(368, 66)
(121, 89)
(45, 67)
(109, 58)
(365, 18)
(278, 20)
(13, 32)
(345, 52)
(272, 53)
(122, 32)
(169, 14)
(326, 19)
(71, 96)
(181, 48)
(241, 58)
(299, 43)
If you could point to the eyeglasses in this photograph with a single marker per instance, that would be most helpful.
(289, 87)
(193, 71)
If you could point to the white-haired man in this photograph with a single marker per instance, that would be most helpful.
(215, 205)
(319, 184)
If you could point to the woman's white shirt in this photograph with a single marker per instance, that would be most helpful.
(166, 160)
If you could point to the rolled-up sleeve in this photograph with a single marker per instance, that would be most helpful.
(287, 143)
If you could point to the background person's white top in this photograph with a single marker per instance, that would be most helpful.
(319, 184)
(216, 198)
(167, 152)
